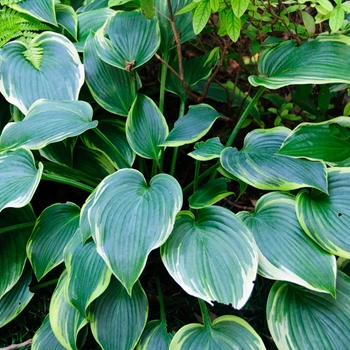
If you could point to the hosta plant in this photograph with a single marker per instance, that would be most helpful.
(74, 111)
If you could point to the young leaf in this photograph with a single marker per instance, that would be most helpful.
(285, 251)
(198, 248)
(336, 18)
(47, 122)
(201, 16)
(146, 128)
(326, 218)
(207, 150)
(19, 178)
(258, 165)
(297, 315)
(226, 333)
(118, 318)
(129, 218)
(320, 61)
(54, 228)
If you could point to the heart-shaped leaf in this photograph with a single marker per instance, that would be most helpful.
(47, 122)
(258, 165)
(146, 128)
(54, 228)
(320, 61)
(226, 333)
(212, 256)
(285, 251)
(119, 318)
(129, 218)
(19, 178)
(297, 315)
(60, 67)
(326, 218)
(125, 48)
(88, 275)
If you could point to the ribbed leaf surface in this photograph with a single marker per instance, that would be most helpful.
(207, 150)
(155, 336)
(54, 228)
(60, 77)
(326, 218)
(212, 256)
(302, 319)
(47, 122)
(19, 178)
(119, 318)
(225, 333)
(258, 165)
(321, 61)
(285, 251)
(67, 18)
(129, 219)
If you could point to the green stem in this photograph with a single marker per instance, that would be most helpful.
(163, 75)
(244, 116)
(205, 313)
(43, 285)
(154, 168)
(196, 176)
(66, 181)
(161, 302)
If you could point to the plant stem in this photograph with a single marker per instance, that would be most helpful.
(161, 302)
(154, 168)
(244, 116)
(163, 75)
(43, 285)
(66, 181)
(205, 313)
(196, 176)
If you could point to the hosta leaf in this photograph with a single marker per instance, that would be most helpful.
(88, 275)
(19, 178)
(124, 48)
(67, 18)
(54, 228)
(325, 141)
(17, 298)
(258, 165)
(119, 318)
(207, 150)
(155, 336)
(212, 256)
(298, 317)
(191, 127)
(210, 193)
(47, 122)
(84, 224)
(326, 218)
(146, 128)
(112, 88)
(44, 338)
(130, 218)
(15, 228)
(65, 320)
(285, 251)
(22, 84)
(226, 333)
(44, 10)
(321, 61)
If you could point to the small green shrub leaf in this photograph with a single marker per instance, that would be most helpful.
(201, 16)
(118, 318)
(112, 88)
(336, 18)
(297, 315)
(258, 165)
(285, 251)
(326, 218)
(207, 150)
(212, 256)
(47, 122)
(321, 61)
(326, 141)
(146, 128)
(155, 336)
(193, 126)
(239, 7)
(309, 22)
(210, 193)
(67, 18)
(65, 320)
(129, 218)
(88, 275)
(44, 338)
(233, 24)
(17, 298)
(124, 48)
(226, 333)
(19, 178)
(60, 64)
(54, 228)
(15, 228)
